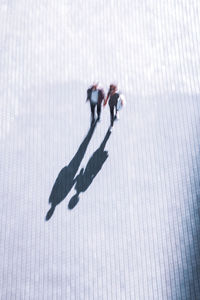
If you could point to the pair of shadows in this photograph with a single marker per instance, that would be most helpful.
(66, 178)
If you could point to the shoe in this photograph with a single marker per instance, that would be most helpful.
(98, 119)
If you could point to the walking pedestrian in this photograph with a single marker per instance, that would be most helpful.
(113, 97)
(95, 95)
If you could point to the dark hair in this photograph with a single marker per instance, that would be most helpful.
(113, 87)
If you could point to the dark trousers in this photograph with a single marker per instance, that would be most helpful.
(112, 116)
(92, 106)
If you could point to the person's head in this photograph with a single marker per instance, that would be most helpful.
(113, 87)
(95, 85)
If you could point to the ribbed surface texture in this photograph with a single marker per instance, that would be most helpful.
(86, 213)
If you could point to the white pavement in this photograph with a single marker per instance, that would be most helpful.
(134, 233)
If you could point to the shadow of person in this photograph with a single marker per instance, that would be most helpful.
(66, 177)
(94, 165)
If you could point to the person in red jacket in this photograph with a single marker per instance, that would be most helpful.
(95, 95)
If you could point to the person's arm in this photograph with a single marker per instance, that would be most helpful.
(106, 100)
(88, 95)
(101, 96)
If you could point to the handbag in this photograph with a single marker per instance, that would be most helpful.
(121, 102)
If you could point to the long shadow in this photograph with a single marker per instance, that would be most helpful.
(94, 165)
(66, 177)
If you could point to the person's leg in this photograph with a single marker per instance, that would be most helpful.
(92, 106)
(116, 113)
(111, 115)
(98, 111)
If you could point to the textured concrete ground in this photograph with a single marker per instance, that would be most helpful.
(133, 233)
